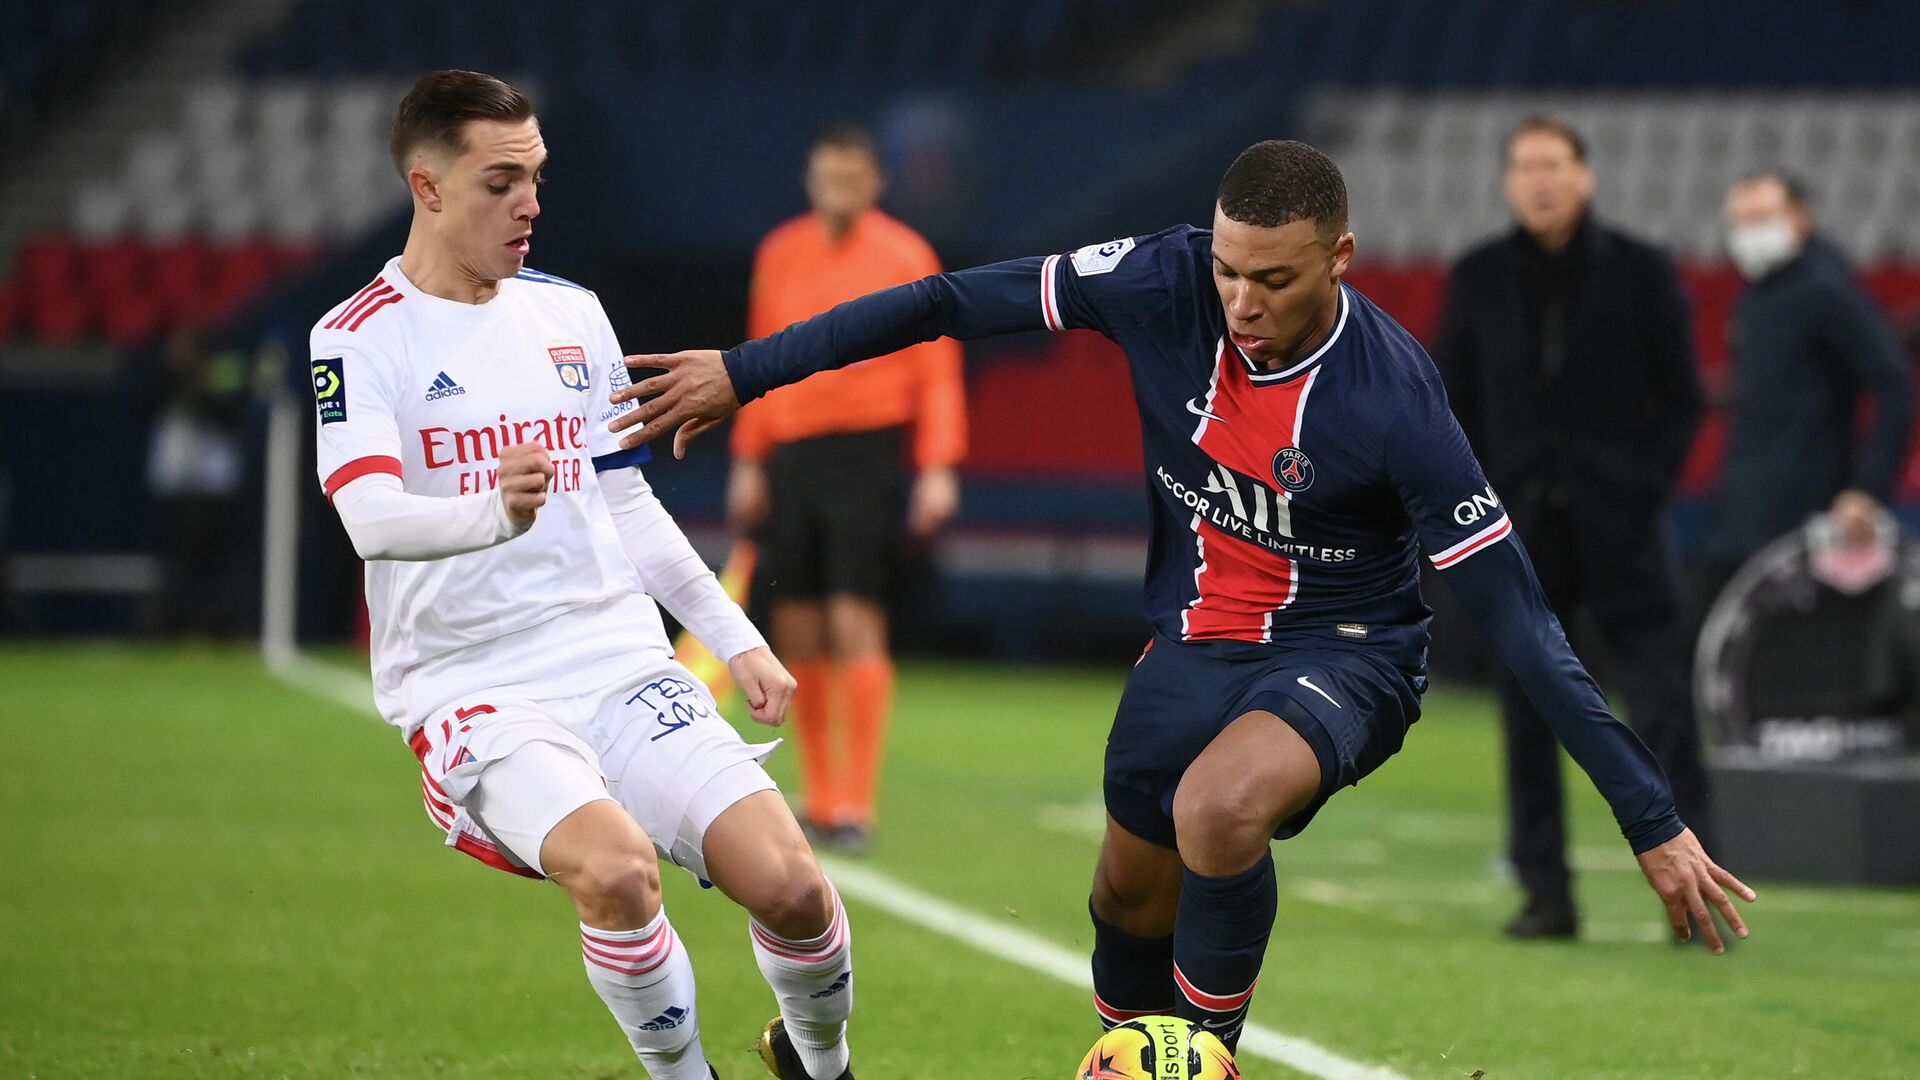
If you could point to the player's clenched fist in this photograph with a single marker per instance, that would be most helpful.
(525, 469)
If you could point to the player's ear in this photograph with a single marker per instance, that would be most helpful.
(424, 181)
(1342, 255)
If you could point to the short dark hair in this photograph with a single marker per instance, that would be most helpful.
(845, 135)
(435, 112)
(1795, 189)
(1545, 124)
(1280, 180)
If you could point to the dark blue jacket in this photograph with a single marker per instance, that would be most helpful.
(1808, 344)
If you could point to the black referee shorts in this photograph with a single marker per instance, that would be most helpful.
(837, 514)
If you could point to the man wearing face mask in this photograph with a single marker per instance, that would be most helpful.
(1566, 351)
(1808, 344)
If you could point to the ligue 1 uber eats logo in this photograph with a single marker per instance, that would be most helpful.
(330, 390)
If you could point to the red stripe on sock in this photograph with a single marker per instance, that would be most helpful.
(1212, 1002)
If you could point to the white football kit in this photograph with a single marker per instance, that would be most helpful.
(485, 641)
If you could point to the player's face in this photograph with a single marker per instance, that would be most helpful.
(843, 182)
(1547, 186)
(1279, 286)
(489, 196)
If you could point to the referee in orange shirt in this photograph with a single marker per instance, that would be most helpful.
(819, 476)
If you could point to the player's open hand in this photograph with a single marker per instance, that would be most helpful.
(525, 469)
(765, 682)
(690, 394)
(1687, 881)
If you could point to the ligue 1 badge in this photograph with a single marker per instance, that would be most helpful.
(1293, 470)
(570, 363)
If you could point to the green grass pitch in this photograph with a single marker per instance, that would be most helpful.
(207, 873)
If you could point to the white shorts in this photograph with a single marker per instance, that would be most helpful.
(498, 773)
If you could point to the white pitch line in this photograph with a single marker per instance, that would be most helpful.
(1035, 953)
(929, 912)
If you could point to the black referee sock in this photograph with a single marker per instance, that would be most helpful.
(1218, 943)
(1132, 976)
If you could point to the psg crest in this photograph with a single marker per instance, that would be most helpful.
(570, 363)
(1293, 470)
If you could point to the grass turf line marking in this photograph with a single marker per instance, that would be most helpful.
(903, 901)
(1026, 950)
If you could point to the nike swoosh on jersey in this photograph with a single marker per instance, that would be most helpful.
(1304, 681)
(1199, 410)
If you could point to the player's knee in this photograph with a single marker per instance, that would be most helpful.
(1116, 900)
(796, 903)
(619, 882)
(1236, 809)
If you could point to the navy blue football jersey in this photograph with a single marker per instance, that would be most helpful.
(1289, 507)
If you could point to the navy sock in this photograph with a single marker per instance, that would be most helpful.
(1132, 976)
(1218, 943)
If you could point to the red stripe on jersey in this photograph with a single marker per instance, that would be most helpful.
(1458, 553)
(359, 467)
(1211, 1002)
(1049, 298)
(360, 305)
(334, 323)
(1256, 420)
(390, 298)
(1239, 586)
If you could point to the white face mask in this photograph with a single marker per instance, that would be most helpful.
(1762, 247)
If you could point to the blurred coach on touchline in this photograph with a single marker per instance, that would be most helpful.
(1566, 351)
(1808, 344)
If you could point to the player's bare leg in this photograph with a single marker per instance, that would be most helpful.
(799, 634)
(606, 864)
(1253, 776)
(857, 638)
(756, 855)
(1136, 895)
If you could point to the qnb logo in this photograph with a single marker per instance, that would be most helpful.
(672, 1018)
(1468, 511)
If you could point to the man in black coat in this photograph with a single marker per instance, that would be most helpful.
(1568, 357)
(1809, 345)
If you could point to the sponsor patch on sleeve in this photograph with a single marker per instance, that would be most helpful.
(1100, 258)
(330, 389)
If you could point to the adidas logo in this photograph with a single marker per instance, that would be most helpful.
(672, 1018)
(839, 984)
(444, 387)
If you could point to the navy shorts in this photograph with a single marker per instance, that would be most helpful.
(1353, 709)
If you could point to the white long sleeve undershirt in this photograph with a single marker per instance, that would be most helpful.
(385, 522)
(671, 571)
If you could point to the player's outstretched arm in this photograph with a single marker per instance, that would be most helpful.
(701, 387)
(1500, 592)
(384, 521)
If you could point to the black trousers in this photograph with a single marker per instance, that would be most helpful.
(1636, 609)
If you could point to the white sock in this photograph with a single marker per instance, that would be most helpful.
(813, 981)
(646, 980)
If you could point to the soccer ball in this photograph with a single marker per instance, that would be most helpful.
(1158, 1048)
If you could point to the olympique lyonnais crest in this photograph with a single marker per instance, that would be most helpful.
(1293, 469)
(570, 363)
